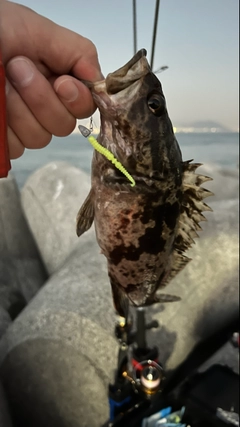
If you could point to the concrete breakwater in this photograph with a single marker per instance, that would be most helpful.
(57, 350)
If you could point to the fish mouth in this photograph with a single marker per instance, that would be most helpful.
(121, 79)
(131, 72)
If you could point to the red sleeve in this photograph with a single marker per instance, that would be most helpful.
(5, 164)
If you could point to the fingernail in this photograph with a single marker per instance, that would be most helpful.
(67, 90)
(20, 72)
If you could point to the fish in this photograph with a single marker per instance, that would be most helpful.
(144, 229)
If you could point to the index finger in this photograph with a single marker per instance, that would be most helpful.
(68, 51)
(62, 51)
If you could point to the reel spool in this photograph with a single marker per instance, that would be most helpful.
(147, 377)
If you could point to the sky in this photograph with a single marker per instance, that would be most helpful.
(196, 39)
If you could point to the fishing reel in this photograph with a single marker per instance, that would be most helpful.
(147, 378)
(140, 396)
(139, 375)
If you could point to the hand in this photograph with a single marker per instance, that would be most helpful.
(43, 99)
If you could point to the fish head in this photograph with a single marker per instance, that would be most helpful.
(135, 125)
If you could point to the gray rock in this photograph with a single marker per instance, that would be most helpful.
(226, 356)
(21, 269)
(51, 199)
(57, 386)
(61, 348)
(5, 420)
(5, 321)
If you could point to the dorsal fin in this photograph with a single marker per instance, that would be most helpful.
(190, 216)
(192, 206)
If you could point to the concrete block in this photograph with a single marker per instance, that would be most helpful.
(21, 270)
(51, 199)
(5, 420)
(64, 337)
(5, 321)
(59, 355)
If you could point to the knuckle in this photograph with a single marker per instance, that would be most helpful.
(91, 48)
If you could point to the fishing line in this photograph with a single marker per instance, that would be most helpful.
(134, 27)
(155, 24)
(106, 153)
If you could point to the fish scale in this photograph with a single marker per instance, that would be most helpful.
(145, 229)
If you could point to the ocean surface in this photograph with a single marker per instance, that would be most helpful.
(214, 149)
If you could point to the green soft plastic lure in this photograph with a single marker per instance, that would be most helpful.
(106, 153)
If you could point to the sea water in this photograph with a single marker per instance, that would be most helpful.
(214, 149)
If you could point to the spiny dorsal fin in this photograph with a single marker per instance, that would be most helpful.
(190, 216)
(85, 215)
(192, 206)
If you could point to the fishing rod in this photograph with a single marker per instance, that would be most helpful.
(164, 67)
(134, 27)
(154, 32)
(137, 385)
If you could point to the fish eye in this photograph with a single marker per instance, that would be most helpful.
(156, 104)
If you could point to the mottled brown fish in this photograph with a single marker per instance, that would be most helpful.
(143, 230)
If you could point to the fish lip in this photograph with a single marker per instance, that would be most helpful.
(121, 79)
(140, 54)
(128, 74)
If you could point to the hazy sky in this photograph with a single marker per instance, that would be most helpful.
(197, 39)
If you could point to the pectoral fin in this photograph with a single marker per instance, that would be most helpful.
(85, 215)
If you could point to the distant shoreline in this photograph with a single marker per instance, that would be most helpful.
(229, 132)
(177, 131)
